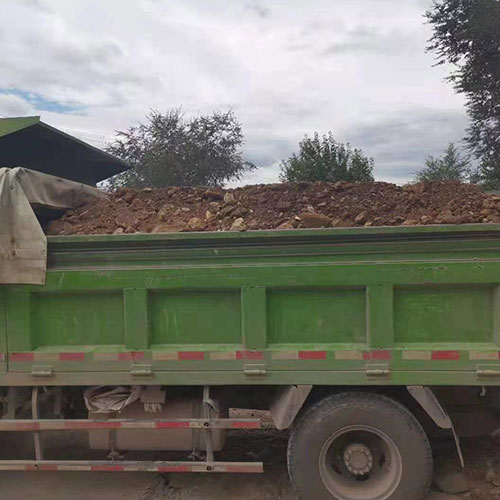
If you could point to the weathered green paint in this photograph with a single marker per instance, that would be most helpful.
(303, 307)
(380, 316)
(444, 314)
(136, 323)
(190, 317)
(318, 316)
(19, 324)
(76, 319)
(254, 317)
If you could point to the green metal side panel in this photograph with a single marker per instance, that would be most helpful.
(316, 316)
(374, 306)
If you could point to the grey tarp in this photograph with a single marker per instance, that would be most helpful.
(23, 245)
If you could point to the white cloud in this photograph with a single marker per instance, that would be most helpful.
(285, 67)
(12, 105)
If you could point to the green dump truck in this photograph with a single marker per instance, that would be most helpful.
(365, 343)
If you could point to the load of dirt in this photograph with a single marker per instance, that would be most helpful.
(280, 206)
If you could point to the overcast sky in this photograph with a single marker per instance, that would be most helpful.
(287, 68)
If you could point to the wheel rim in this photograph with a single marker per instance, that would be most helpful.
(360, 462)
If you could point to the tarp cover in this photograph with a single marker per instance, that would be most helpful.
(23, 244)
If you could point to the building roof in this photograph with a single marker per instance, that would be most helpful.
(30, 143)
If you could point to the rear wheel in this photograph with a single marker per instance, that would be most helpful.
(359, 446)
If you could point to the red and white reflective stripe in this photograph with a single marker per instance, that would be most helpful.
(250, 355)
(71, 356)
(484, 355)
(15, 425)
(191, 355)
(30, 357)
(424, 355)
(377, 355)
(242, 355)
(22, 357)
(118, 356)
(300, 355)
(349, 355)
(445, 355)
(178, 355)
(94, 466)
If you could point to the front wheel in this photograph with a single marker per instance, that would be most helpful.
(359, 446)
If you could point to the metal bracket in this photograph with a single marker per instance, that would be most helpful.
(208, 405)
(255, 371)
(377, 370)
(34, 414)
(142, 371)
(487, 371)
(42, 371)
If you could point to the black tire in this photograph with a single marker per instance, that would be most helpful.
(401, 450)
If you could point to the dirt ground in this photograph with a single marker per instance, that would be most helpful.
(268, 445)
(280, 206)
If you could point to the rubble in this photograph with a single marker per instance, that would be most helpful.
(280, 206)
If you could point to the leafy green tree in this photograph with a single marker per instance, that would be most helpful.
(450, 166)
(467, 35)
(324, 159)
(169, 150)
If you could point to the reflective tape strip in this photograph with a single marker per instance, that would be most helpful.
(191, 355)
(377, 355)
(223, 356)
(75, 425)
(172, 425)
(417, 355)
(251, 355)
(47, 357)
(302, 355)
(484, 355)
(160, 467)
(107, 468)
(13, 425)
(284, 355)
(175, 468)
(312, 355)
(105, 356)
(445, 355)
(348, 355)
(22, 357)
(74, 468)
(72, 356)
(165, 356)
(131, 356)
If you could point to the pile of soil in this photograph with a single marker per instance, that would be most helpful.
(280, 206)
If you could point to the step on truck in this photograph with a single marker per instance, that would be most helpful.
(364, 343)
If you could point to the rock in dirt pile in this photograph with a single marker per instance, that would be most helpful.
(280, 206)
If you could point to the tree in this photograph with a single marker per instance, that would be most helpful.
(169, 150)
(467, 34)
(326, 160)
(450, 166)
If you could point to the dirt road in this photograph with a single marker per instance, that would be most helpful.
(482, 456)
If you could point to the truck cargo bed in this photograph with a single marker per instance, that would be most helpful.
(370, 306)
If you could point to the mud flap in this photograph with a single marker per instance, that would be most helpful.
(428, 401)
